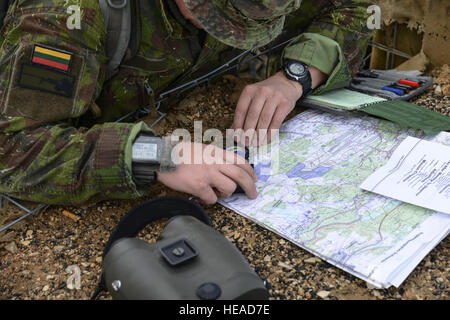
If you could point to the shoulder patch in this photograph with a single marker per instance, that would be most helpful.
(39, 78)
(52, 58)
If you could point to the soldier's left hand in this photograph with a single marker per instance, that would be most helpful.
(263, 106)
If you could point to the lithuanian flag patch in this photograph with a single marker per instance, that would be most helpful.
(53, 58)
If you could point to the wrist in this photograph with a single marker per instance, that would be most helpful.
(297, 88)
(149, 155)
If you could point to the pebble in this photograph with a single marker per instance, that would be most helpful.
(312, 260)
(323, 294)
(29, 233)
(45, 288)
(438, 91)
(25, 243)
(11, 247)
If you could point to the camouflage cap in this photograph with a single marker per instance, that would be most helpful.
(243, 24)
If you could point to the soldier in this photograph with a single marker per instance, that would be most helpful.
(61, 88)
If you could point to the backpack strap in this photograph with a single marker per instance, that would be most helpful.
(117, 17)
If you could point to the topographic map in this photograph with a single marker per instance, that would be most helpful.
(309, 194)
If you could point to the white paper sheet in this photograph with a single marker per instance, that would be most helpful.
(418, 173)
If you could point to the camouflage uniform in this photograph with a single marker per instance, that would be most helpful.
(58, 144)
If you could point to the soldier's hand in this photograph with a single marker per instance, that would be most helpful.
(263, 106)
(209, 172)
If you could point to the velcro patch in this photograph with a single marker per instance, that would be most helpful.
(39, 78)
(52, 58)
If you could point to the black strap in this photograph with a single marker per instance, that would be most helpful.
(144, 214)
(149, 211)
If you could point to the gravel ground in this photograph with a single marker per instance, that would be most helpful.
(35, 254)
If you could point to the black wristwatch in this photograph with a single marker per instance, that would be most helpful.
(298, 71)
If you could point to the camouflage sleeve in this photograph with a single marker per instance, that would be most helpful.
(50, 75)
(336, 40)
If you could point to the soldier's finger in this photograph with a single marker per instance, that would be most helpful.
(242, 178)
(277, 120)
(251, 120)
(207, 195)
(235, 159)
(265, 119)
(223, 185)
(242, 108)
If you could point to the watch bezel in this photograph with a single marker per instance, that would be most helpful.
(304, 79)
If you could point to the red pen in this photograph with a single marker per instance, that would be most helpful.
(409, 83)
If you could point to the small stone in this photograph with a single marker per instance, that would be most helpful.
(284, 265)
(267, 258)
(59, 248)
(438, 91)
(439, 280)
(323, 294)
(29, 233)
(312, 260)
(282, 241)
(98, 259)
(25, 243)
(45, 288)
(11, 247)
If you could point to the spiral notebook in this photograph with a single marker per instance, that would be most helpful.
(398, 111)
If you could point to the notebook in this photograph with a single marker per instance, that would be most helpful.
(398, 111)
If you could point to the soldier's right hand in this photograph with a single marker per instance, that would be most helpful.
(209, 172)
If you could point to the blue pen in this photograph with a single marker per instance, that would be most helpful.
(396, 91)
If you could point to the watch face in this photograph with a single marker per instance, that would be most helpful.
(296, 68)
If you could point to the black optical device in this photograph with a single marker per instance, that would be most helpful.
(190, 261)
